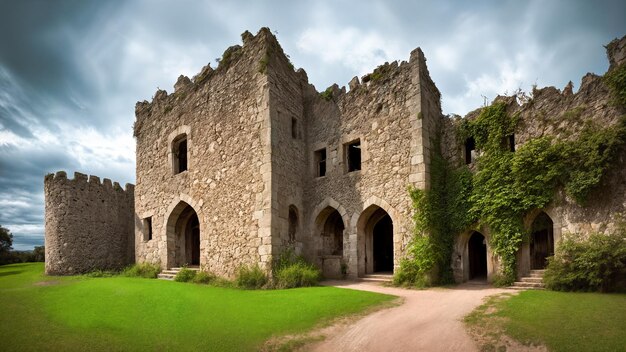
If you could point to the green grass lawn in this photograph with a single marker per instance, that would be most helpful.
(40, 313)
(563, 321)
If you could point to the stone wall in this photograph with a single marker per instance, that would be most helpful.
(88, 225)
(561, 114)
(225, 115)
(391, 112)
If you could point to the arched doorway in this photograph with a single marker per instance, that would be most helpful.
(477, 255)
(331, 227)
(375, 248)
(183, 237)
(541, 241)
(329, 242)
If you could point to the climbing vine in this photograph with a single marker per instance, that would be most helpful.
(506, 185)
(440, 213)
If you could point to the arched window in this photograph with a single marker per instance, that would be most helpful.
(293, 223)
(179, 153)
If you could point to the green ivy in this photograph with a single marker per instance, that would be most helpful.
(616, 80)
(440, 213)
(327, 94)
(504, 188)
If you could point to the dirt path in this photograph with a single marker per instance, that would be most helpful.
(428, 320)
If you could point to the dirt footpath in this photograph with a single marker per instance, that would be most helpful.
(428, 320)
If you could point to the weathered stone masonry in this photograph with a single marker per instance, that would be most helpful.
(247, 160)
(89, 225)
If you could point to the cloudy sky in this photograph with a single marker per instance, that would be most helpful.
(71, 71)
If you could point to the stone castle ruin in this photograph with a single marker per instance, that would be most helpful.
(247, 160)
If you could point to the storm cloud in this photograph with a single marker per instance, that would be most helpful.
(71, 71)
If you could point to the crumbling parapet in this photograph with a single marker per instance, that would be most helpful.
(89, 225)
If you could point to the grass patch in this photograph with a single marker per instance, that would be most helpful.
(562, 321)
(120, 313)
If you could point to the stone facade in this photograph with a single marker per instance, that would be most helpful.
(248, 160)
(253, 126)
(89, 225)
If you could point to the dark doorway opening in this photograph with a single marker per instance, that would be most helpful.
(541, 242)
(477, 250)
(383, 245)
(193, 240)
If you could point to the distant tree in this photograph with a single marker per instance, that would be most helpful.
(39, 254)
(6, 241)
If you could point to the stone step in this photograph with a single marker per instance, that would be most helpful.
(515, 287)
(189, 267)
(377, 278)
(532, 279)
(528, 284)
(170, 273)
(537, 273)
(166, 276)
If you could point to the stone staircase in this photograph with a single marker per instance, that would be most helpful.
(532, 282)
(169, 274)
(378, 278)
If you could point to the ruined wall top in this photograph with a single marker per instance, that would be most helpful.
(107, 184)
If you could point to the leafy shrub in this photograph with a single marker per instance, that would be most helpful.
(250, 277)
(147, 270)
(185, 275)
(616, 80)
(203, 277)
(298, 274)
(595, 264)
(415, 271)
(291, 270)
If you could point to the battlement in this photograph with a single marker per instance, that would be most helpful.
(107, 184)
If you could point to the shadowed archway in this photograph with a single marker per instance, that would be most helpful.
(183, 236)
(375, 241)
(541, 241)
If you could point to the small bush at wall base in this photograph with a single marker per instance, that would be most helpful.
(147, 270)
(203, 277)
(595, 264)
(291, 270)
(250, 277)
(185, 275)
(299, 274)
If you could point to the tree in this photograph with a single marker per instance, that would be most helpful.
(38, 254)
(6, 240)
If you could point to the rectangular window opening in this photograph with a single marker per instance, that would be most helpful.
(147, 228)
(353, 155)
(294, 128)
(320, 162)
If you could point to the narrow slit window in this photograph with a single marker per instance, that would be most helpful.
(180, 154)
(293, 223)
(470, 151)
(353, 155)
(294, 128)
(320, 162)
(512, 142)
(147, 229)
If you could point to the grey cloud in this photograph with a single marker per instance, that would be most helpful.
(74, 63)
